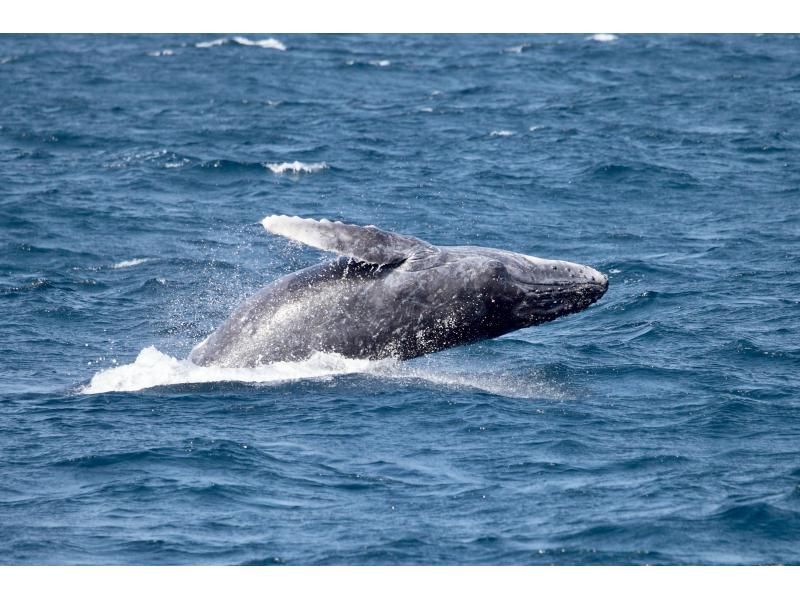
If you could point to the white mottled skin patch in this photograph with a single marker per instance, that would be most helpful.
(302, 230)
(365, 243)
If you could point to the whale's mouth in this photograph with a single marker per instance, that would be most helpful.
(589, 292)
(595, 288)
(546, 302)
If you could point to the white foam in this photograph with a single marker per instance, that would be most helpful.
(296, 167)
(212, 43)
(152, 368)
(603, 37)
(131, 263)
(380, 62)
(178, 164)
(270, 43)
(501, 133)
(158, 53)
(518, 49)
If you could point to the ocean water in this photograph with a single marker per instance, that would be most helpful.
(660, 426)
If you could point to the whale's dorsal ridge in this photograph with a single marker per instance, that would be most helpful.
(365, 243)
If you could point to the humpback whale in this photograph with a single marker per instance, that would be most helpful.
(392, 295)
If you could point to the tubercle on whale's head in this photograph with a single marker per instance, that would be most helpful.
(560, 273)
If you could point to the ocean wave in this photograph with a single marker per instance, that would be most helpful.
(212, 43)
(296, 167)
(270, 43)
(517, 49)
(501, 133)
(640, 171)
(129, 159)
(761, 518)
(130, 263)
(220, 165)
(34, 285)
(163, 158)
(376, 62)
(603, 37)
(152, 368)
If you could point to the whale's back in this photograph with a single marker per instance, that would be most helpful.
(293, 317)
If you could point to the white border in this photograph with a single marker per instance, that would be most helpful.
(400, 16)
(427, 16)
(400, 582)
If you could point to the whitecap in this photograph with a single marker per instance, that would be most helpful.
(131, 263)
(603, 37)
(518, 49)
(270, 43)
(158, 53)
(178, 164)
(212, 43)
(379, 63)
(501, 133)
(296, 167)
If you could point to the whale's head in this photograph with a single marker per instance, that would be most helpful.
(530, 290)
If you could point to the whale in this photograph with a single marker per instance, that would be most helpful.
(389, 295)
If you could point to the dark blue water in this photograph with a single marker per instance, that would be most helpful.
(661, 425)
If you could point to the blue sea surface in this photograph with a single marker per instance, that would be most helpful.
(659, 426)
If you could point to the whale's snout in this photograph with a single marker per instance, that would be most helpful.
(593, 276)
(584, 287)
(594, 288)
(555, 288)
(559, 273)
(597, 283)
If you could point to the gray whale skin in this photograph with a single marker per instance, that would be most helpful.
(391, 295)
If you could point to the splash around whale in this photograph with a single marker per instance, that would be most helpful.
(392, 296)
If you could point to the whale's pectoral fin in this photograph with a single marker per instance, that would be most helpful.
(365, 243)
